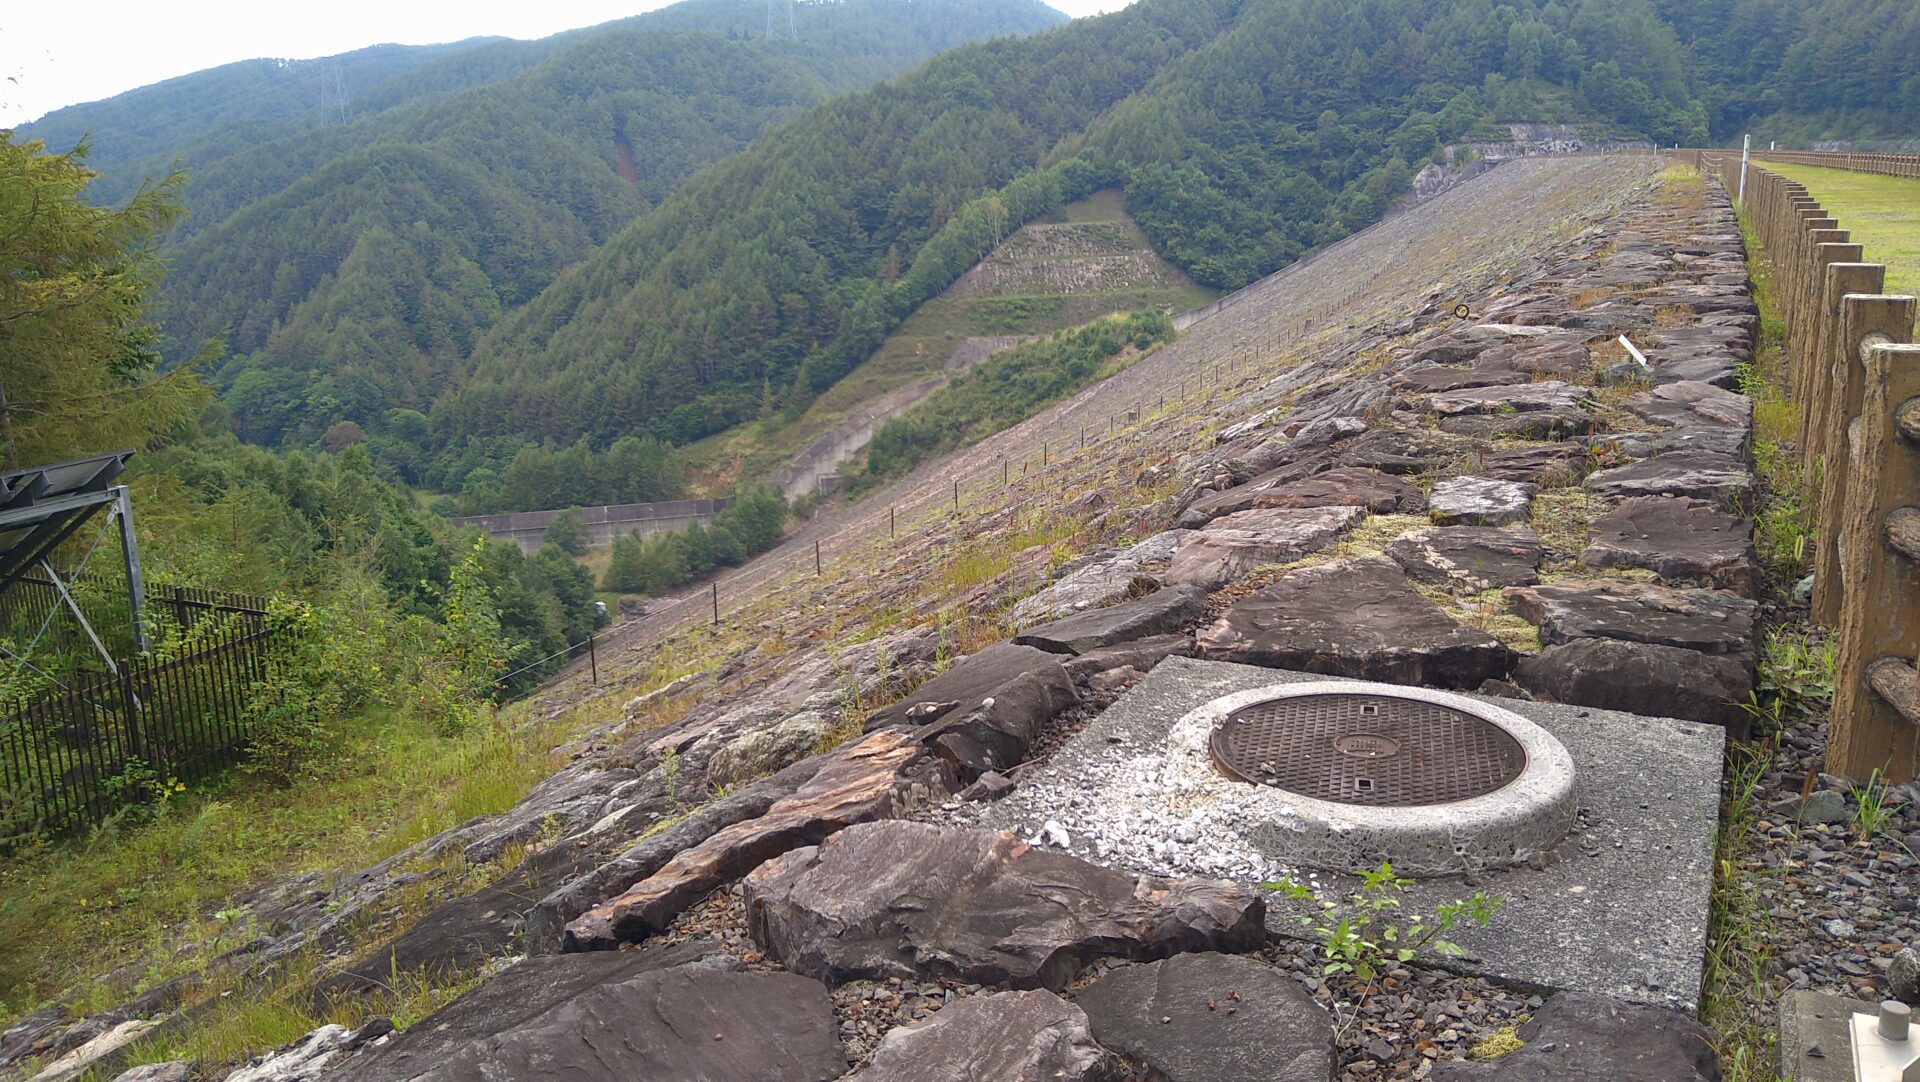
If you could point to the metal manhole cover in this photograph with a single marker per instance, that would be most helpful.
(1376, 750)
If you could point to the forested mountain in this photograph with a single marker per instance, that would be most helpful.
(528, 251)
(201, 117)
(1243, 133)
(1800, 70)
(351, 267)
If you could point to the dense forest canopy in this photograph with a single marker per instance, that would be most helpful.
(1244, 135)
(350, 257)
(369, 574)
(609, 244)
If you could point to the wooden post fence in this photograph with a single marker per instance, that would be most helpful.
(1893, 165)
(1854, 372)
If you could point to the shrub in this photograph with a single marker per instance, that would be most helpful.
(568, 531)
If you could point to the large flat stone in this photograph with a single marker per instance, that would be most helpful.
(1706, 475)
(1007, 1035)
(1718, 368)
(1235, 544)
(972, 680)
(1458, 345)
(1469, 559)
(1583, 1038)
(1358, 618)
(1140, 655)
(1554, 464)
(1642, 678)
(1712, 621)
(1348, 486)
(512, 998)
(1162, 612)
(1548, 424)
(1435, 378)
(1101, 582)
(878, 777)
(691, 1023)
(996, 734)
(1692, 402)
(1212, 1018)
(1622, 912)
(1681, 539)
(1402, 451)
(1480, 501)
(914, 900)
(545, 923)
(1552, 394)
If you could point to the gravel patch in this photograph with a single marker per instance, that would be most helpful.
(1838, 903)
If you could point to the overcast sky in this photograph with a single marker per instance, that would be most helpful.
(54, 54)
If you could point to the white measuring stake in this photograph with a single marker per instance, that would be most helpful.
(1637, 355)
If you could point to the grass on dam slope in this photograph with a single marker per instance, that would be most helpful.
(1883, 213)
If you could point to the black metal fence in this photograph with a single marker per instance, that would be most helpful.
(73, 756)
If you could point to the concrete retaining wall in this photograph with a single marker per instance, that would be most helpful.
(604, 524)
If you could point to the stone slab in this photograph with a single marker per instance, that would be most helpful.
(1622, 911)
(1011, 1035)
(906, 900)
(1682, 540)
(1585, 1038)
(1480, 501)
(1703, 474)
(1469, 559)
(1358, 618)
(513, 997)
(1163, 612)
(1166, 1015)
(1235, 544)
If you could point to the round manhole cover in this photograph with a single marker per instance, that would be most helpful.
(1382, 751)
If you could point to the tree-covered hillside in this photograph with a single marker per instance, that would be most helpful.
(199, 117)
(528, 251)
(1801, 70)
(1244, 134)
(350, 268)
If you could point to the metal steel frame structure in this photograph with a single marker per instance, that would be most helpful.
(41, 507)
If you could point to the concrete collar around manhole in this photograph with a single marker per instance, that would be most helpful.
(1346, 774)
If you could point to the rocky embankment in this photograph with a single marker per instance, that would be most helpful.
(1507, 500)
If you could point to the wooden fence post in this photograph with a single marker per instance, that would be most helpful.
(1879, 631)
(1865, 318)
(1840, 273)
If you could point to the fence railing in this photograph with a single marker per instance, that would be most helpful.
(1893, 165)
(1855, 376)
(72, 757)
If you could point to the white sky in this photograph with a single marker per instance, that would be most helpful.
(58, 54)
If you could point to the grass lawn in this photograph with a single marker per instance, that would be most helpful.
(1883, 213)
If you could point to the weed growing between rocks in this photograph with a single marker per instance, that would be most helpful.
(1793, 683)
(1360, 938)
(1873, 808)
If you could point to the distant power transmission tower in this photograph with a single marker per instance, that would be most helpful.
(333, 92)
(792, 34)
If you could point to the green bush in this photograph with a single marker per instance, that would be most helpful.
(1007, 388)
(751, 524)
(568, 531)
(330, 659)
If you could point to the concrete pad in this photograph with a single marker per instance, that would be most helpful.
(1618, 909)
(1815, 1045)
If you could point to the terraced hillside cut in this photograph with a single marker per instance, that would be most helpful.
(1089, 261)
